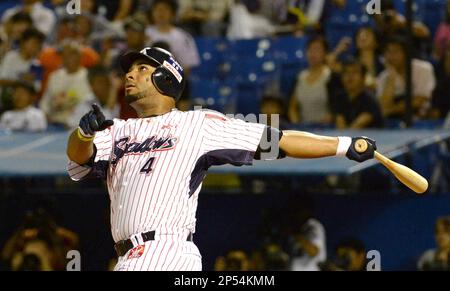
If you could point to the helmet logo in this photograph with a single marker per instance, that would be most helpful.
(175, 69)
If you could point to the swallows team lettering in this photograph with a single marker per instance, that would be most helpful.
(125, 146)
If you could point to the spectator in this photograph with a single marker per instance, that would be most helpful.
(246, 23)
(43, 18)
(356, 108)
(350, 255)
(310, 102)
(52, 60)
(306, 236)
(273, 105)
(104, 95)
(306, 16)
(92, 29)
(204, 17)
(65, 29)
(368, 54)
(163, 14)
(441, 94)
(24, 116)
(438, 259)
(18, 64)
(275, 258)
(390, 23)
(21, 64)
(135, 40)
(67, 88)
(39, 244)
(13, 30)
(236, 260)
(391, 82)
(442, 37)
(116, 11)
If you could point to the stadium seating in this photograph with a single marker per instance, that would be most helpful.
(214, 94)
(211, 52)
(6, 4)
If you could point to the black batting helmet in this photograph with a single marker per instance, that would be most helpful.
(168, 77)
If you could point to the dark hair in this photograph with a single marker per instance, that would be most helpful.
(352, 61)
(318, 38)
(445, 221)
(387, 5)
(25, 85)
(32, 33)
(273, 98)
(396, 40)
(252, 6)
(173, 5)
(21, 17)
(97, 71)
(352, 243)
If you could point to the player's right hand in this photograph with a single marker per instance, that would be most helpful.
(368, 154)
(93, 121)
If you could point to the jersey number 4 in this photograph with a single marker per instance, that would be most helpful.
(148, 167)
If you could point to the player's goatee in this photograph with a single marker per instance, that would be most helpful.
(130, 98)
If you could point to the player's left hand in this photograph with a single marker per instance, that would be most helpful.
(368, 154)
(94, 121)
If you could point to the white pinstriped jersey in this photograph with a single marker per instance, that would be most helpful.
(155, 166)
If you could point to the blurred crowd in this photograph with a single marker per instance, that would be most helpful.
(293, 239)
(38, 244)
(54, 65)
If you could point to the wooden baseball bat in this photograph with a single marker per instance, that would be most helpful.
(408, 177)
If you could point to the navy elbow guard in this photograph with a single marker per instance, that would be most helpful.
(269, 145)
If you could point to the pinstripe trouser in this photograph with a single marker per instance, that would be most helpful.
(162, 255)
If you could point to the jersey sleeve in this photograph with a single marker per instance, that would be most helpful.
(97, 167)
(229, 140)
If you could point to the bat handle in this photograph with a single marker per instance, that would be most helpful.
(382, 159)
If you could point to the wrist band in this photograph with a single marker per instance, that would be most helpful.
(82, 136)
(343, 145)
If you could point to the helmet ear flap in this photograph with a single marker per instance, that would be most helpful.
(164, 81)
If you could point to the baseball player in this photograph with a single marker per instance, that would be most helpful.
(154, 165)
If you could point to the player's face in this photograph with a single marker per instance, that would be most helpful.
(138, 78)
